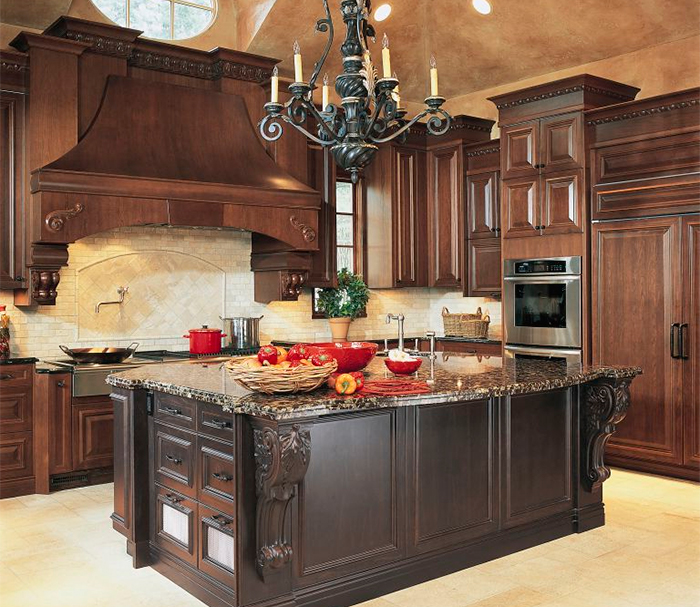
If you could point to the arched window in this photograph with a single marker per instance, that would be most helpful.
(162, 19)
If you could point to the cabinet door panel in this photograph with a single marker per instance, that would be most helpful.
(217, 479)
(445, 216)
(635, 277)
(482, 205)
(60, 425)
(406, 204)
(321, 177)
(520, 211)
(561, 206)
(217, 546)
(691, 335)
(484, 262)
(561, 142)
(16, 455)
(521, 150)
(93, 433)
(175, 458)
(16, 410)
(176, 528)
(537, 474)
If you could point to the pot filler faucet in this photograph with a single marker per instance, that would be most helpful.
(121, 291)
(399, 318)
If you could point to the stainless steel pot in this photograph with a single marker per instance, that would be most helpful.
(243, 332)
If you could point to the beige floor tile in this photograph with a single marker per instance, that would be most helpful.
(647, 555)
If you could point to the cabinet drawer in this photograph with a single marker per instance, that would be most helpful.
(15, 376)
(176, 528)
(15, 409)
(217, 546)
(175, 458)
(212, 420)
(175, 410)
(217, 478)
(16, 456)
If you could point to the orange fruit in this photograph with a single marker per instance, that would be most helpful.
(281, 355)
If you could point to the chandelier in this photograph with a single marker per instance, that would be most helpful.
(370, 111)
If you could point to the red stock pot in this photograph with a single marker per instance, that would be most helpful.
(205, 340)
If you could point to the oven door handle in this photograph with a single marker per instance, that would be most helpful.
(544, 278)
(541, 351)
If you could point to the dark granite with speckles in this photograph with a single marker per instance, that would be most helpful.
(454, 377)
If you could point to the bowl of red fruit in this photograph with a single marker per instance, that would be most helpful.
(351, 355)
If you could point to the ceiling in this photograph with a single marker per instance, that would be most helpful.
(517, 40)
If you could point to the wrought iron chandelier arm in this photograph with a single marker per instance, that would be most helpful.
(270, 125)
(323, 25)
(379, 106)
(323, 123)
(436, 125)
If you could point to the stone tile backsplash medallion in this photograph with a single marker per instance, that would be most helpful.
(179, 279)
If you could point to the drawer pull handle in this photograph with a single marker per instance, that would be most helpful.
(173, 459)
(222, 477)
(221, 520)
(220, 424)
(172, 410)
(169, 497)
(5, 376)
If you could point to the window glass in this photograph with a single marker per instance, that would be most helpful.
(161, 19)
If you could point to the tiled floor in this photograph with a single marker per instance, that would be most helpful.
(60, 550)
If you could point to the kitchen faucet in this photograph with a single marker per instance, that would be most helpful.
(399, 318)
(121, 291)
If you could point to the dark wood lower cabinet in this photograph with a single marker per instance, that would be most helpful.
(93, 428)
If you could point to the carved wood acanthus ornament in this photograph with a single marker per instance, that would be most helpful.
(44, 283)
(56, 220)
(605, 405)
(293, 283)
(281, 458)
(307, 232)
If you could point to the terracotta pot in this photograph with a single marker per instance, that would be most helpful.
(340, 328)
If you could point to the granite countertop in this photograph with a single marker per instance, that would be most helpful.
(46, 367)
(18, 360)
(454, 377)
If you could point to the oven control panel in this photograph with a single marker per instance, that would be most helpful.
(541, 266)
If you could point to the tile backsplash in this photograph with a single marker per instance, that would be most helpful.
(180, 279)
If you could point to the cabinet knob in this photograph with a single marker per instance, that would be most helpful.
(19, 278)
(60, 383)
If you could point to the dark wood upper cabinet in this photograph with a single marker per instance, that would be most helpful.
(483, 206)
(561, 142)
(562, 198)
(484, 267)
(691, 341)
(12, 179)
(445, 215)
(321, 176)
(395, 228)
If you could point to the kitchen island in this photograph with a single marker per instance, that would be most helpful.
(323, 500)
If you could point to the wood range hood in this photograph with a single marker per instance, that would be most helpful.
(158, 149)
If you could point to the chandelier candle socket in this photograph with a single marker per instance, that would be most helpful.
(386, 57)
(397, 97)
(433, 77)
(369, 112)
(298, 69)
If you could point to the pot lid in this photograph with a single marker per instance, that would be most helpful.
(205, 329)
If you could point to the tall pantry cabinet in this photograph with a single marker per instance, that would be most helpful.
(645, 249)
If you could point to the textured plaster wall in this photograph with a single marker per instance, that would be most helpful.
(180, 279)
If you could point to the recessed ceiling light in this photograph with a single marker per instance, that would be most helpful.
(382, 12)
(482, 6)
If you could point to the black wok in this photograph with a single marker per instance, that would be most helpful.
(100, 355)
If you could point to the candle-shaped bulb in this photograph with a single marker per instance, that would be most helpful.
(298, 70)
(433, 77)
(326, 91)
(386, 58)
(275, 85)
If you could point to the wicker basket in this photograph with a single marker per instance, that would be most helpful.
(465, 325)
(273, 380)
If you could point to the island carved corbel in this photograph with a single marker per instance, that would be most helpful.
(282, 455)
(605, 405)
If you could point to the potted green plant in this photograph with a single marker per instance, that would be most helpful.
(343, 303)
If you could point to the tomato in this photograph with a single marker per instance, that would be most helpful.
(330, 382)
(268, 354)
(300, 352)
(359, 379)
(281, 355)
(321, 359)
(345, 384)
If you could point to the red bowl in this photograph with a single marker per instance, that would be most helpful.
(403, 367)
(351, 355)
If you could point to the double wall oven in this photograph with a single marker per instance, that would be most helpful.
(542, 308)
